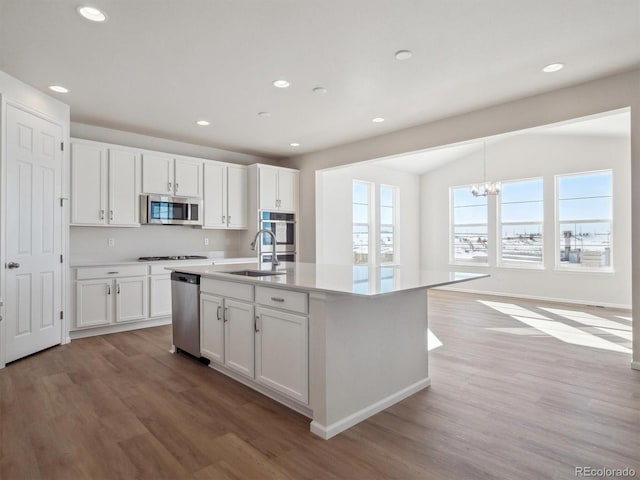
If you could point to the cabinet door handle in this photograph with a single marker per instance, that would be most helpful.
(218, 312)
(108, 289)
(223, 217)
(177, 186)
(112, 273)
(229, 219)
(118, 288)
(110, 214)
(169, 189)
(101, 214)
(255, 323)
(225, 316)
(277, 299)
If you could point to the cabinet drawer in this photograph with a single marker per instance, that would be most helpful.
(279, 298)
(241, 291)
(160, 269)
(112, 271)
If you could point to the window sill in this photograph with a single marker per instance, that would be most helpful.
(597, 271)
(469, 264)
(515, 266)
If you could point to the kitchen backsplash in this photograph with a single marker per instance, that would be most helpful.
(92, 243)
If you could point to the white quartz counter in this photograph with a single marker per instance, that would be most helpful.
(197, 261)
(341, 279)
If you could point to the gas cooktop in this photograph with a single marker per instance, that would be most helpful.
(172, 257)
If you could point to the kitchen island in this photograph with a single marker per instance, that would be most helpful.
(337, 343)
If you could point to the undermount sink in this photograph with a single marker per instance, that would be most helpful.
(256, 273)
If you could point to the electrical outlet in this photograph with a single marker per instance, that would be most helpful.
(111, 242)
(206, 240)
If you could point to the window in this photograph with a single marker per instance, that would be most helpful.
(361, 222)
(521, 220)
(387, 223)
(585, 216)
(469, 226)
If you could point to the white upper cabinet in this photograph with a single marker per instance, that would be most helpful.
(188, 177)
(225, 196)
(165, 175)
(237, 186)
(124, 190)
(88, 184)
(278, 188)
(157, 174)
(105, 185)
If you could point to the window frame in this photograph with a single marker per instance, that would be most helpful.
(371, 220)
(396, 254)
(452, 226)
(515, 264)
(577, 268)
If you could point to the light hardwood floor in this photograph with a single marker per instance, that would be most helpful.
(507, 401)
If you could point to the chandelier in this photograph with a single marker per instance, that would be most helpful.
(486, 188)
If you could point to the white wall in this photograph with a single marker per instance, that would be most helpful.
(525, 156)
(91, 243)
(334, 214)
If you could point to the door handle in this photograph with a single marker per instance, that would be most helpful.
(118, 288)
(110, 214)
(101, 214)
(255, 323)
(169, 187)
(177, 187)
(218, 312)
(225, 316)
(12, 265)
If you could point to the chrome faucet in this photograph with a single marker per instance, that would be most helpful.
(274, 257)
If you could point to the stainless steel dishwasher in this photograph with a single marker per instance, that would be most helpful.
(185, 310)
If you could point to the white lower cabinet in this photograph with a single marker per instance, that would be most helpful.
(282, 352)
(132, 299)
(93, 303)
(160, 295)
(267, 344)
(113, 300)
(227, 335)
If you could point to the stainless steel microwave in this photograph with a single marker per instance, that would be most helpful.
(162, 210)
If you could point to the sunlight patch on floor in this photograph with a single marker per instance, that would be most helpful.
(567, 333)
(587, 319)
(432, 341)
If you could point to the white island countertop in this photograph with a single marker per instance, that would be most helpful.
(358, 280)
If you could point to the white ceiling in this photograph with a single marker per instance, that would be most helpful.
(157, 66)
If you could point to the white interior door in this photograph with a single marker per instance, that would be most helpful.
(33, 235)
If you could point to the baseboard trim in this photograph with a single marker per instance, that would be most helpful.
(124, 327)
(635, 365)
(326, 432)
(537, 297)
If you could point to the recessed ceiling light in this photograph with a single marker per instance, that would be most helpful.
(264, 114)
(403, 54)
(294, 144)
(281, 83)
(377, 120)
(92, 13)
(553, 67)
(203, 123)
(58, 89)
(319, 90)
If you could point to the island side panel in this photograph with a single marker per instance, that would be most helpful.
(367, 353)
